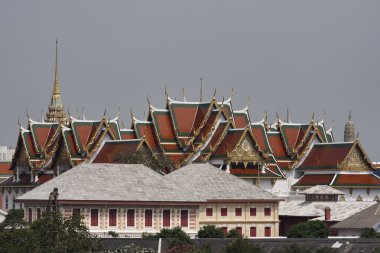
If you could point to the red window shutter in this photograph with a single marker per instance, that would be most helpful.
(225, 230)
(112, 217)
(267, 211)
(239, 230)
(252, 232)
(252, 211)
(238, 211)
(38, 213)
(148, 218)
(267, 232)
(223, 211)
(209, 211)
(94, 217)
(30, 216)
(184, 218)
(130, 218)
(166, 218)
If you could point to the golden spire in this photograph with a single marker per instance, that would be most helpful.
(56, 111)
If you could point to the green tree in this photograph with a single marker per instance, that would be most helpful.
(14, 219)
(144, 156)
(242, 245)
(369, 233)
(309, 229)
(210, 231)
(55, 234)
(233, 234)
(20, 240)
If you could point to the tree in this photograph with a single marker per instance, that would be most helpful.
(242, 245)
(20, 240)
(210, 231)
(55, 234)
(14, 219)
(144, 156)
(233, 234)
(309, 229)
(369, 233)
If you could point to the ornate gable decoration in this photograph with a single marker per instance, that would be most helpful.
(245, 152)
(355, 161)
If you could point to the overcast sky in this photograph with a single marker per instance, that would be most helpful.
(308, 56)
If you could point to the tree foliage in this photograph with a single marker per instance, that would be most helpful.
(233, 234)
(14, 219)
(242, 245)
(51, 233)
(210, 231)
(309, 229)
(144, 156)
(369, 233)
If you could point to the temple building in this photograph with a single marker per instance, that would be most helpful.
(281, 158)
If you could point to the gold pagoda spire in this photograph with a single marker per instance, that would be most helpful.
(56, 111)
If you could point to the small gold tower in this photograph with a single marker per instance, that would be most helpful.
(56, 111)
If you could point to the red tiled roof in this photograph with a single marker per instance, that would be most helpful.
(216, 136)
(356, 180)
(112, 149)
(163, 125)
(260, 135)
(127, 134)
(147, 130)
(250, 170)
(277, 145)
(241, 120)
(229, 142)
(4, 168)
(326, 156)
(43, 133)
(183, 116)
(293, 134)
(312, 180)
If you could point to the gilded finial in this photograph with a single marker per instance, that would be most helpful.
(131, 113)
(166, 92)
(312, 117)
(214, 93)
(266, 116)
(287, 115)
(105, 111)
(357, 135)
(18, 122)
(147, 99)
(27, 114)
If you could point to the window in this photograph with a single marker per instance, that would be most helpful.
(94, 217)
(76, 212)
(184, 218)
(252, 232)
(30, 216)
(252, 211)
(225, 230)
(38, 213)
(267, 211)
(267, 231)
(112, 217)
(238, 211)
(166, 218)
(239, 230)
(148, 218)
(130, 217)
(209, 211)
(6, 202)
(223, 211)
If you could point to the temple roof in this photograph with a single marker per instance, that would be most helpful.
(201, 179)
(119, 182)
(322, 189)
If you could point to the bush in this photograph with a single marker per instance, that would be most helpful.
(242, 245)
(175, 235)
(210, 231)
(113, 234)
(369, 233)
(233, 234)
(310, 229)
(131, 248)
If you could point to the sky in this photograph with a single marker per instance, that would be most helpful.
(320, 57)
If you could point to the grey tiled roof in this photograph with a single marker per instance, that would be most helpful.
(211, 183)
(322, 189)
(339, 210)
(112, 182)
(364, 219)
